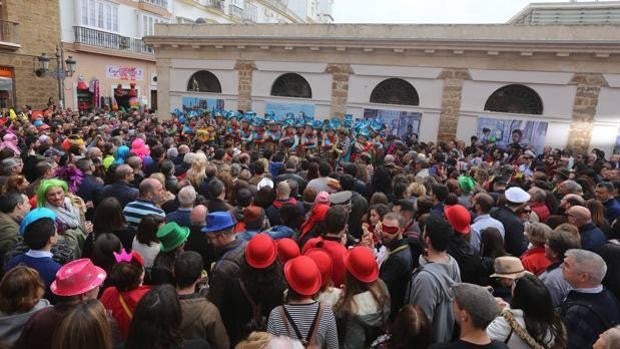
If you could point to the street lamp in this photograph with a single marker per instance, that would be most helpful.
(62, 70)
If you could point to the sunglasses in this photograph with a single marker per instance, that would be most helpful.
(389, 230)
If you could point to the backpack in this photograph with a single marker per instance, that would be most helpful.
(258, 322)
(309, 342)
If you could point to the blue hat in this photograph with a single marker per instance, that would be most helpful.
(218, 221)
(35, 215)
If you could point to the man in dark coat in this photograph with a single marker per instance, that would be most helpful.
(514, 239)
(121, 188)
(589, 309)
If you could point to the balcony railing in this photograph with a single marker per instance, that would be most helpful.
(158, 3)
(235, 11)
(98, 38)
(8, 31)
(216, 4)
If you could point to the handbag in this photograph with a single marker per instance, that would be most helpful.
(520, 331)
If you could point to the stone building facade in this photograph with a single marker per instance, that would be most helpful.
(566, 76)
(27, 29)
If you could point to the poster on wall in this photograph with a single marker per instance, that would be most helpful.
(201, 103)
(534, 133)
(121, 72)
(281, 109)
(617, 146)
(399, 123)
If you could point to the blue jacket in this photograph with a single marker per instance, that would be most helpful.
(612, 210)
(586, 315)
(180, 216)
(592, 238)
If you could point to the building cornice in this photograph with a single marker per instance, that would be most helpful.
(563, 41)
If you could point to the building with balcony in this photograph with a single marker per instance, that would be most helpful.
(27, 29)
(570, 13)
(105, 38)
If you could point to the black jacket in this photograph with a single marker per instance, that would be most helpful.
(121, 191)
(470, 263)
(611, 254)
(396, 270)
(514, 239)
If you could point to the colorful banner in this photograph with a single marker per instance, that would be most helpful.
(120, 72)
(201, 103)
(534, 132)
(399, 123)
(281, 109)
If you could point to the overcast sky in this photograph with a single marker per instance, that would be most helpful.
(427, 11)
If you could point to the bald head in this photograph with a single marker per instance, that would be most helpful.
(198, 217)
(283, 190)
(151, 189)
(579, 215)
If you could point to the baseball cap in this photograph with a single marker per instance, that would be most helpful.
(477, 301)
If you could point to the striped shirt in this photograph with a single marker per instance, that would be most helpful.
(135, 210)
(303, 316)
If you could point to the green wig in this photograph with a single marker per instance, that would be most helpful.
(45, 185)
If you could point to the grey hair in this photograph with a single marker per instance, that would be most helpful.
(590, 263)
(572, 187)
(235, 169)
(172, 153)
(187, 195)
(538, 195)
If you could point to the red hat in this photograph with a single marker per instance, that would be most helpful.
(77, 277)
(360, 262)
(303, 275)
(324, 261)
(261, 251)
(459, 218)
(287, 249)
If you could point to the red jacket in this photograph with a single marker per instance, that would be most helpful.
(534, 260)
(336, 250)
(111, 301)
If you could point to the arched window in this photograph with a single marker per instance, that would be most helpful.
(204, 81)
(515, 99)
(395, 91)
(291, 85)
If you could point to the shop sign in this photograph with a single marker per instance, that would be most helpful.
(120, 72)
(6, 72)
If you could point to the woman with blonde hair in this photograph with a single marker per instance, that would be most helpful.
(609, 339)
(534, 259)
(196, 173)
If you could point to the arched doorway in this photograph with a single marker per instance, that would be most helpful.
(515, 98)
(204, 81)
(395, 91)
(291, 85)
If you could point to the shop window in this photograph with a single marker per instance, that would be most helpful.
(395, 91)
(204, 81)
(518, 99)
(291, 85)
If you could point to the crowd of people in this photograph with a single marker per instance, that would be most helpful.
(228, 230)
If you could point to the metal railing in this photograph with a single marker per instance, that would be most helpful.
(235, 11)
(8, 31)
(216, 4)
(158, 3)
(94, 37)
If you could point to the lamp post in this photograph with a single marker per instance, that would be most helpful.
(62, 70)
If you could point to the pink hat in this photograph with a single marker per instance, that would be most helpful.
(77, 277)
(459, 218)
(322, 198)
